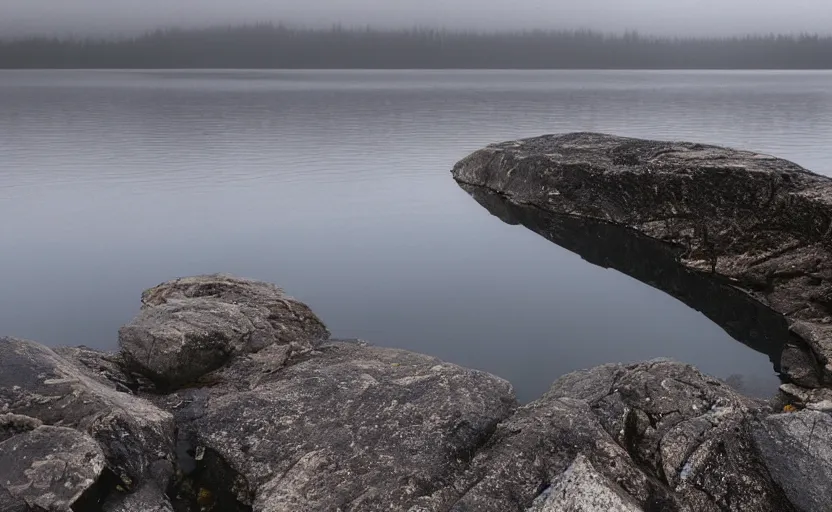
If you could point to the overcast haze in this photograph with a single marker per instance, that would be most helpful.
(665, 17)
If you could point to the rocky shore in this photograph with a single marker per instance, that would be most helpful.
(228, 395)
(752, 223)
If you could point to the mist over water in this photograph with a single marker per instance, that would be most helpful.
(267, 46)
(336, 186)
(680, 17)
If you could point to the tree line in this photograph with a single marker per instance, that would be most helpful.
(281, 47)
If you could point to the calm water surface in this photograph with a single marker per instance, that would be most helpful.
(336, 186)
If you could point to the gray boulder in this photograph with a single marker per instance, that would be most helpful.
(349, 427)
(685, 428)
(47, 468)
(797, 448)
(191, 326)
(759, 223)
(797, 361)
(38, 383)
(665, 436)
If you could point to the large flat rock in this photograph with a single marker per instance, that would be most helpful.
(757, 223)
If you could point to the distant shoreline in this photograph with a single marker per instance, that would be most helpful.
(419, 70)
(281, 48)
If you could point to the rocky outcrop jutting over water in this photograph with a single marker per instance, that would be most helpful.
(749, 223)
(288, 420)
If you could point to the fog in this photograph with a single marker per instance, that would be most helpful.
(662, 17)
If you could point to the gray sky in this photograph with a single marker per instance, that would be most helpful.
(686, 17)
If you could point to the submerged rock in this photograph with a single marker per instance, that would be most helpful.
(753, 222)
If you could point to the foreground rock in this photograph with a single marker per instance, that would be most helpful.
(292, 423)
(661, 436)
(758, 223)
(47, 468)
(353, 426)
(135, 436)
(189, 327)
(798, 449)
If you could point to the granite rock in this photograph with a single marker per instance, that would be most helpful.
(38, 383)
(759, 223)
(47, 468)
(191, 326)
(797, 448)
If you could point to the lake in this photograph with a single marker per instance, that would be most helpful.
(336, 186)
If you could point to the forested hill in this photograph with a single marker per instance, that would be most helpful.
(274, 46)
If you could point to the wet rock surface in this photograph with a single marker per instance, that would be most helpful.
(301, 424)
(759, 224)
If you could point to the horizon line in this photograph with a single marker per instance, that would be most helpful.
(73, 35)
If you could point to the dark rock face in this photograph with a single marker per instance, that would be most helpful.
(191, 326)
(757, 223)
